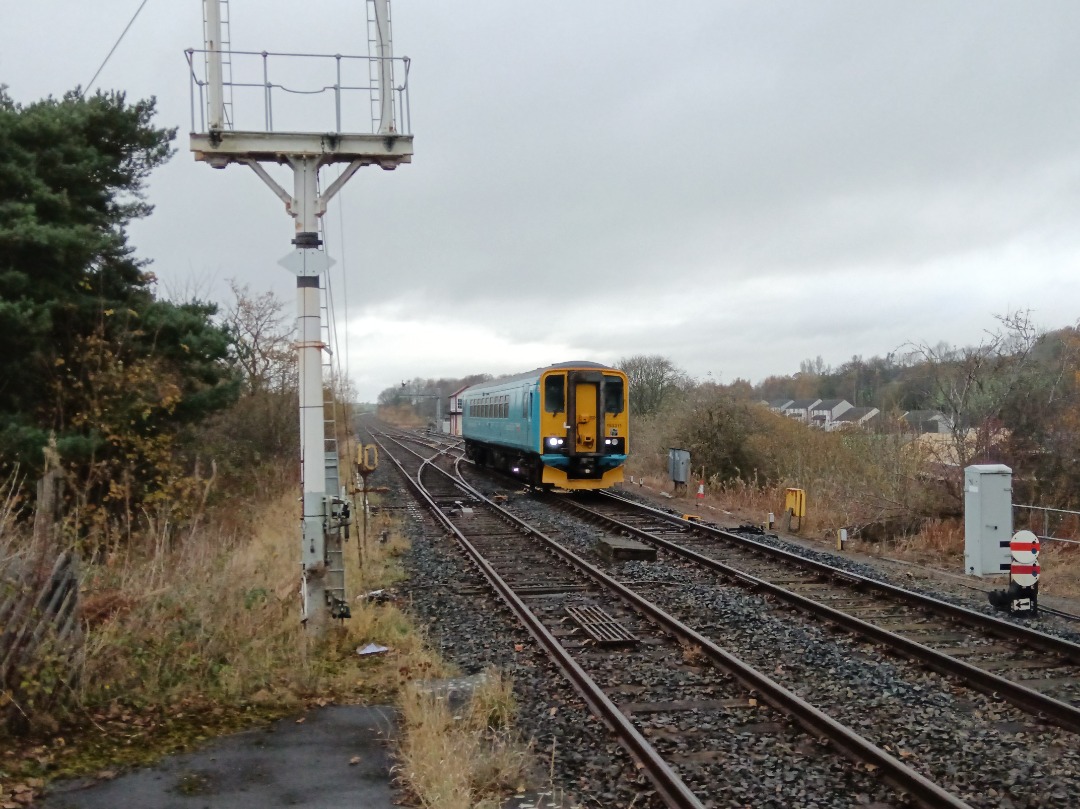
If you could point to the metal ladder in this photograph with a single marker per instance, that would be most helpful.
(226, 59)
(373, 63)
(335, 549)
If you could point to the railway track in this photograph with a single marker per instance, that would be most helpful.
(691, 714)
(1037, 672)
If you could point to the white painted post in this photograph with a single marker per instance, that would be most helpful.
(309, 354)
(215, 94)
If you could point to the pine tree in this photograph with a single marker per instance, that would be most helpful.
(91, 355)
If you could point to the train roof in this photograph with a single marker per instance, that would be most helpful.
(536, 372)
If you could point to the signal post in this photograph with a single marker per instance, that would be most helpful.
(216, 140)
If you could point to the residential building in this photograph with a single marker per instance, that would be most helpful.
(825, 412)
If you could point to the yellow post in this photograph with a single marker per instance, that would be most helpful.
(795, 506)
(367, 458)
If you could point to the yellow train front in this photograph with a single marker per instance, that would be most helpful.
(565, 425)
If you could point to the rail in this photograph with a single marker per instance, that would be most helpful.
(921, 790)
(668, 784)
(1050, 709)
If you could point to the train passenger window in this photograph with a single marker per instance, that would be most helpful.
(613, 394)
(555, 393)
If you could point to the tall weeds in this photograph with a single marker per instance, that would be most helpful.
(216, 618)
(460, 759)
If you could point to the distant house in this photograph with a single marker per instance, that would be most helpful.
(855, 417)
(800, 409)
(926, 421)
(825, 412)
(457, 407)
(777, 405)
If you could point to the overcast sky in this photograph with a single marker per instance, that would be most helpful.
(735, 185)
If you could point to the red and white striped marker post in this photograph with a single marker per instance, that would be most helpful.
(1024, 572)
(701, 490)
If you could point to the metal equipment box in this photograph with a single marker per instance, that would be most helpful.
(679, 465)
(987, 519)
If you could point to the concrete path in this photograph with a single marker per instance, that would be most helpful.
(287, 764)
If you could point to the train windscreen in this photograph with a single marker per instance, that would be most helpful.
(555, 393)
(613, 394)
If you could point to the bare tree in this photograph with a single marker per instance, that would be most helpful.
(972, 385)
(263, 335)
(653, 380)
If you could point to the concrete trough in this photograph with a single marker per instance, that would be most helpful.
(618, 549)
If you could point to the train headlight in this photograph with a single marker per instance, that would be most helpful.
(554, 442)
(615, 446)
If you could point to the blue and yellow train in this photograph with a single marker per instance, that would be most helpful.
(564, 426)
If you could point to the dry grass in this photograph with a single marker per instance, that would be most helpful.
(194, 637)
(939, 543)
(1060, 564)
(217, 619)
(461, 759)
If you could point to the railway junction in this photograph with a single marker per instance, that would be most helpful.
(735, 669)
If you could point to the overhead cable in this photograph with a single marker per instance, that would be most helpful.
(116, 44)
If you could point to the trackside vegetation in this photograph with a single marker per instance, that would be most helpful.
(95, 362)
(148, 488)
(1013, 399)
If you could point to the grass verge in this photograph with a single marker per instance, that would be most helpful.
(190, 638)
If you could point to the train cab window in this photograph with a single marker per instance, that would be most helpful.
(555, 393)
(613, 394)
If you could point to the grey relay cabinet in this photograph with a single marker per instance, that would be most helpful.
(679, 465)
(987, 519)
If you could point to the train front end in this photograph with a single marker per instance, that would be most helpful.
(584, 427)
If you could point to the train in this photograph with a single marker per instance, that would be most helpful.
(564, 426)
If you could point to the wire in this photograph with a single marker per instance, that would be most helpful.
(101, 67)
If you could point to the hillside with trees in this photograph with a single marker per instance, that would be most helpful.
(1014, 398)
